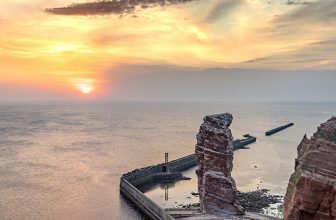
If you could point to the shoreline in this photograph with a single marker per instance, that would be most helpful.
(259, 201)
(132, 182)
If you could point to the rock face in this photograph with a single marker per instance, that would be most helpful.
(214, 153)
(311, 192)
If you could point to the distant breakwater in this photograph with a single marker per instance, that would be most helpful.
(275, 130)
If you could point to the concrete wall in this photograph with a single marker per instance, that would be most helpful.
(137, 177)
(183, 163)
(143, 175)
(144, 203)
(146, 174)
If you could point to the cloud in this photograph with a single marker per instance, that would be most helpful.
(331, 42)
(298, 2)
(222, 8)
(315, 55)
(321, 11)
(105, 39)
(306, 30)
(110, 7)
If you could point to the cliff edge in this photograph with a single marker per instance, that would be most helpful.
(311, 192)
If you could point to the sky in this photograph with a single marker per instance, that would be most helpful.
(244, 50)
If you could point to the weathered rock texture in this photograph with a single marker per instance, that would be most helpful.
(311, 192)
(214, 152)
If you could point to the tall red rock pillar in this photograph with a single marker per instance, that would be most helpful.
(311, 192)
(214, 153)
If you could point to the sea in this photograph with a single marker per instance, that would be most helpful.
(65, 160)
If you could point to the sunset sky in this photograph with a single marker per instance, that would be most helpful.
(102, 57)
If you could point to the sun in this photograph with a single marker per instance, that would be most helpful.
(85, 88)
(84, 85)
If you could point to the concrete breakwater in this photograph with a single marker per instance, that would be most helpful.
(275, 130)
(130, 181)
(241, 143)
(147, 174)
(145, 204)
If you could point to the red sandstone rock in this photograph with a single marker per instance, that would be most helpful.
(311, 192)
(214, 153)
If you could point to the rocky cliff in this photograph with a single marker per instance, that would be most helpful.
(311, 192)
(214, 153)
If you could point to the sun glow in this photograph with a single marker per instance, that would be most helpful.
(85, 85)
(85, 88)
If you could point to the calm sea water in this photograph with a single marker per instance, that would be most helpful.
(64, 161)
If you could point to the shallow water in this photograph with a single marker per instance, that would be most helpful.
(64, 161)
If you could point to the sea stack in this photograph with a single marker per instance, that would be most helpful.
(311, 192)
(214, 153)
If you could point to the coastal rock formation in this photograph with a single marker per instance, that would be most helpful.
(311, 193)
(214, 153)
